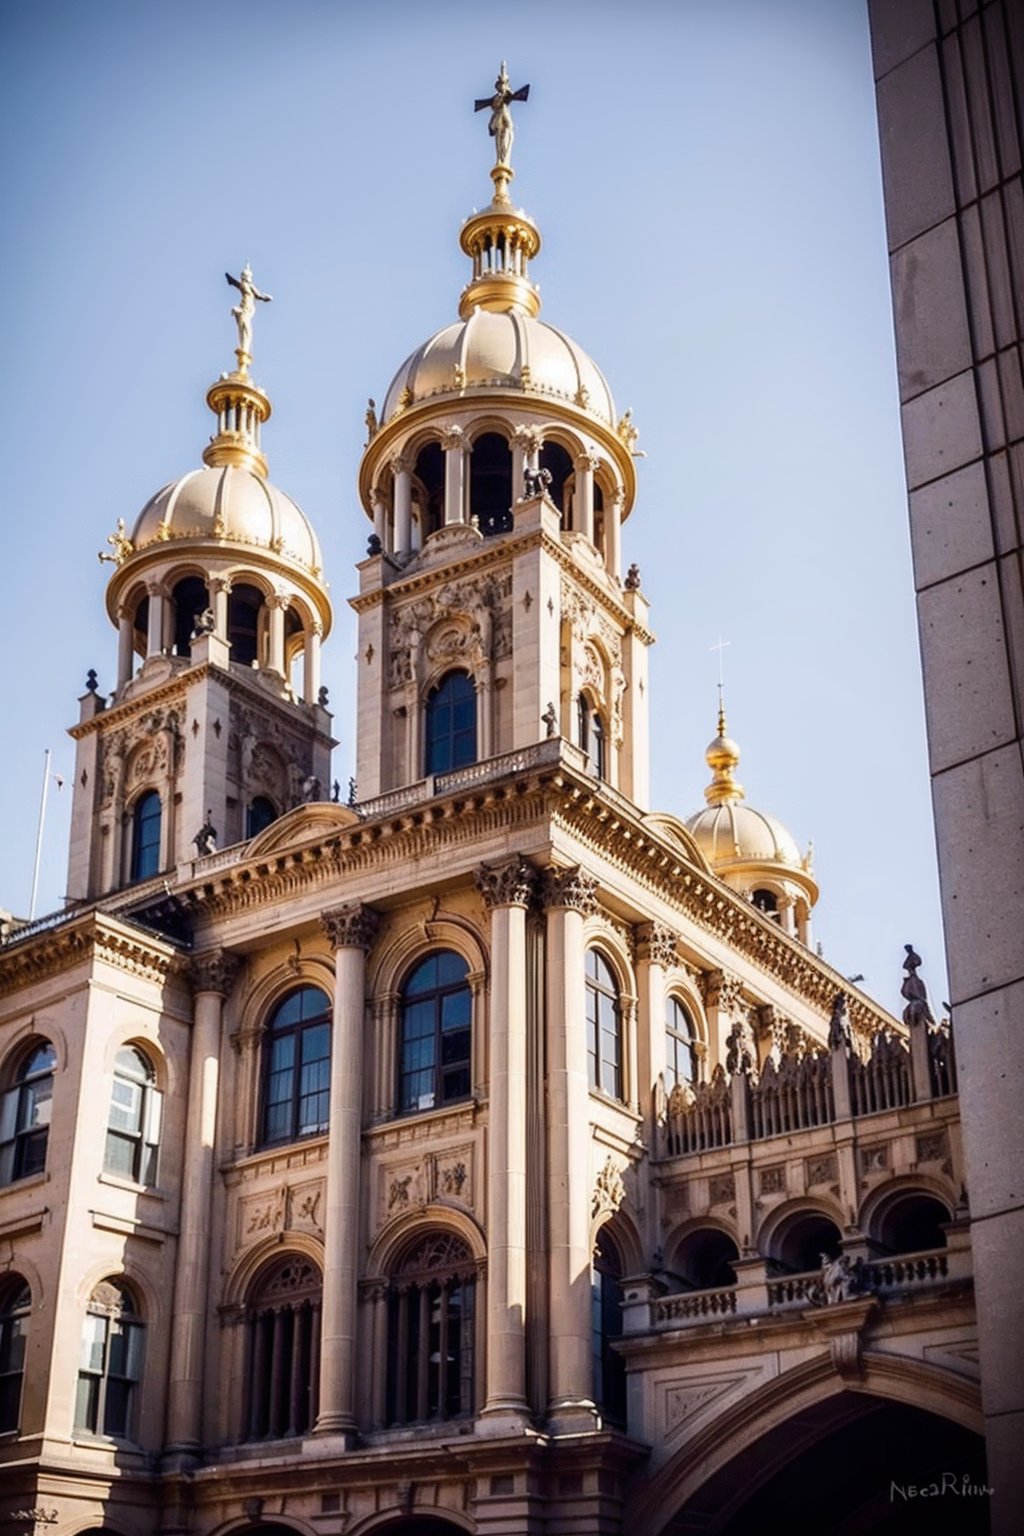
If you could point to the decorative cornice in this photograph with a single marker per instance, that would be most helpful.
(511, 884)
(214, 971)
(351, 926)
(572, 888)
(93, 936)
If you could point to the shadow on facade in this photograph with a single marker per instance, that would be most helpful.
(850, 1466)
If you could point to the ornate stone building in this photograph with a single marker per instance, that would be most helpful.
(492, 1153)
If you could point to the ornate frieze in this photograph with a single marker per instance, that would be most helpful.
(571, 888)
(351, 926)
(214, 971)
(511, 884)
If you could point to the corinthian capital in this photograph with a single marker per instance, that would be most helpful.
(572, 888)
(350, 927)
(452, 438)
(510, 884)
(214, 971)
(656, 943)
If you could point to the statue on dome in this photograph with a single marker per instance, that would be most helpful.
(500, 125)
(120, 543)
(243, 312)
(372, 424)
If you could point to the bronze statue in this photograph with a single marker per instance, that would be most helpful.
(500, 125)
(914, 990)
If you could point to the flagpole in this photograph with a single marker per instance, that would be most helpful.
(39, 836)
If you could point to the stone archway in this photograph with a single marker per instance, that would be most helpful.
(852, 1465)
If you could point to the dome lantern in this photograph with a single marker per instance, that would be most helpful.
(502, 240)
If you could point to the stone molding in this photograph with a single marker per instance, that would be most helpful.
(49, 951)
(510, 884)
(573, 889)
(351, 926)
(214, 971)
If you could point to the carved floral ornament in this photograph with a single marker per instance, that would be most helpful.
(609, 1189)
(656, 943)
(351, 926)
(511, 884)
(215, 971)
(573, 889)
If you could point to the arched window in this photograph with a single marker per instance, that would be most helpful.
(25, 1115)
(604, 1026)
(430, 1332)
(146, 836)
(428, 488)
(913, 1223)
(244, 604)
(15, 1305)
(554, 458)
(451, 724)
(680, 1056)
(490, 484)
(190, 599)
(133, 1125)
(705, 1259)
(606, 1305)
(592, 738)
(110, 1371)
(260, 814)
(435, 1033)
(800, 1243)
(284, 1350)
(766, 902)
(296, 1085)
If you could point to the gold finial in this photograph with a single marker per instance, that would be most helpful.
(243, 312)
(501, 129)
(120, 543)
(722, 757)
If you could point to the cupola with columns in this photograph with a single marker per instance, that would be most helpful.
(217, 724)
(748, 849)
(497, 479)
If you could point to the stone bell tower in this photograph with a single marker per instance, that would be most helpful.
(217, 725)
(493, 611)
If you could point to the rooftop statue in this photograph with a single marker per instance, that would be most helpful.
(500, 125)
(914, 991)
(243, 312)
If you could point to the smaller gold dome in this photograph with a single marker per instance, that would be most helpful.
(232, 503)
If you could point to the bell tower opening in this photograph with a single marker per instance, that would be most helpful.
(190, 598)
(490, 484)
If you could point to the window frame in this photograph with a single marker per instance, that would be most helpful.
(439, 1068)
(599, 991)
(283, 1313)
(422, 1288)
(433, 740)
(144, 1136)
(18, 1105)
(123, 1319)
(593, 734)
(143, 851)
(15, 1311)
(297, 1030)
(675, 1040)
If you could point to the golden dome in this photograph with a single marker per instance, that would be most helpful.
(501, 350)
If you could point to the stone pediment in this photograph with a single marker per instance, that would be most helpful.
(320, 819)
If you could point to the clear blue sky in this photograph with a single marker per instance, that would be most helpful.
(705, 176)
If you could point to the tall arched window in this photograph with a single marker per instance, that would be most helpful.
(490, 484)
(451, 724)
(259, 815)
(592, 737)
(15, 1306)
(604, 1026)
(296, 1084)
(110, 1371)
(435, 1033)
(146, 819)
(25, 1114)
(606, 1303)
(133, 1125)
(680, 1035)
(430, 1332)
(284, 1350)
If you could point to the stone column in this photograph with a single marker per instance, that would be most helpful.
(454, 444)
(378, 501)
(213, 976)
(655, 952)
(525, 453)
(220, 591)
(583, 507)
(350, 929)
(125, 647)
(613, 533)
(401, 469)
(155, 628)
(311, 662)
(278, 605)
(507, 889)
(569, 896)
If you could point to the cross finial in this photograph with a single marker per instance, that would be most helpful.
(720, 648)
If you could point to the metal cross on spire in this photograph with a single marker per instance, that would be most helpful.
(720, 648)
(500, 126)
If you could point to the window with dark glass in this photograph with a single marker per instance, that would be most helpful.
(283, 1320)
(606, 1313)
(451, 724)
(604, 1026)
(434, 1033)
(296, 1084)
(133, 1125)
(15, 1306)
(110, 1368)
(146, 836)
(430, 1332)
(259, 815)
(25, 1115)
(591, 734)
(490, 484)
(680, 1058)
